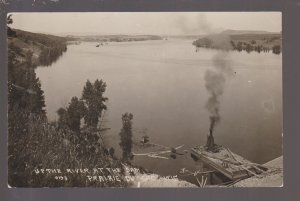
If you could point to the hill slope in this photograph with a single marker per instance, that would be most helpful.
(43, 48)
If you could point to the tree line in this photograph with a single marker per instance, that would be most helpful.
(90, 108)
(36, 143)
(237, 45)
(249, 47)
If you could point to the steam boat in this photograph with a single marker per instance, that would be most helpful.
(221, 159)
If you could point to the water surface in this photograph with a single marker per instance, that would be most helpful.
(162, 84)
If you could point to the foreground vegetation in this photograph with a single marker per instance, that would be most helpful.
(34, 143)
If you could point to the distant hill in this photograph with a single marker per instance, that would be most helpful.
(115, 38)
(186, 37)
(239, 32)
(43, 48)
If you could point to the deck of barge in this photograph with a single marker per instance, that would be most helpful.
(226, 162)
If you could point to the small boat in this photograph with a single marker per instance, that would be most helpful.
(144, 139)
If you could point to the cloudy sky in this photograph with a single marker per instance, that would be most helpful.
(163, 23)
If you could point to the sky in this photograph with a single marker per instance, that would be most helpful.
(156, 23)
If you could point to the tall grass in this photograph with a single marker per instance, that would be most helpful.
(45, 146)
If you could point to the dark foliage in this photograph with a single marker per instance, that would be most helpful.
(25, 105)
(243, 42)
(10, 32)
(73, 114)
(24, 87)
(33, 142)
(47, 147)
(276, 49)
(51, 47)
(126, 136)
(203, 42)
(94, 100)
(51, 54)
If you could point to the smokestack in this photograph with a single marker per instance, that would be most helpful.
(213, 121)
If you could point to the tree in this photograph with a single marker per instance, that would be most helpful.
(9, 21)
(28, 57)
(126, 135)
(95, 101)
(249, 48)
(276, 49)
(203, 42)
(233, 44)
(36, 96)
(74, 113)
(239, 46)
(111, 152)
(62, 117)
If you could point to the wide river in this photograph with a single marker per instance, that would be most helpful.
(162, 84)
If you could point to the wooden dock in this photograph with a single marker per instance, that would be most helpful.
(226, 162)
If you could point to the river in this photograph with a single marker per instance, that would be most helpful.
(162, 84)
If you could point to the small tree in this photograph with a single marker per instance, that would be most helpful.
(276, 49)
(239, 46)
(126, 135)
(95, 101)
(249, 48)
(62, 117)
(111, 152)
(72, 115)
(9, 21)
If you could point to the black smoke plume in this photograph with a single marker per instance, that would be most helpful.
(215, 80)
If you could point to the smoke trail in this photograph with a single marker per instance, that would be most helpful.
(215, 80)
(194, 23)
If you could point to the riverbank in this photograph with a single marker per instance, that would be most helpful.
(271, 178)
(38, 144)
(38, 49)
(154, 181)
(242, 41)
(115, 38)
(146, 61)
